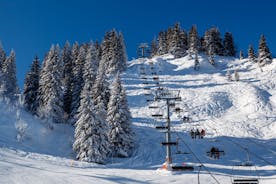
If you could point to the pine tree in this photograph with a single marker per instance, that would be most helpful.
(77, 83)
(31, 87)
(177, 41)
(91, 141)
(153, 48)
(236, 74)
(122, 55)
(264, 56)
(2, 56)
(50, 89)
(67, 61)
(209, 44)
(213, 42)
(101, 92)
(241, 55)
(193, 40)
(196, 65)
(162, 43)
(229, 46)
(10, 80)
(118, 117)
(251, 54)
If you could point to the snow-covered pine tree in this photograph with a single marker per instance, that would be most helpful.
(193, 40)
(153, 48)
(50, 89)
(241, 55)
(66, 59)
(251, 54)
(229, 46)
(212, 40)
(101, 91)
(31, 87)
(120, 134)
(91, 141)
(237, 76)
(209, 44)
(99, 52)
(177, 41)
(162, 43)
(264, 56)
(77, 83)
(2, 56)
(196, 65)
(2, 80)
(229, 75)
(122, 55)
(10, 80)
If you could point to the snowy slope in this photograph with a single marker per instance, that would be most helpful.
(236, 116)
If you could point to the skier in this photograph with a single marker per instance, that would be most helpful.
(202, 133)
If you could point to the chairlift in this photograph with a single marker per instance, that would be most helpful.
(153, 107)
(215, 152)
(169, 143)
(146, 88)
(245, 180)
(152, 68)
(153, 73)
(147, 94)
(179, 152)
(157, 115)
(156, 78)
(149, 100)
(144, 78)
(182, 168)
(178, 110)
(145, 83)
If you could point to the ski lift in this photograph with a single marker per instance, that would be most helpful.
(157, 116)
(186, 119)
(182, 168)
(215, 152)
(145, 83)
(147, 94)
(169, 143)
(156, 78)
(144, 78)
(149, 100)
(146, 88)
(178, 110)
(152, 68)
(245, 180)
(151, 63)
(153, 107)
(142, 73)
(153, 73)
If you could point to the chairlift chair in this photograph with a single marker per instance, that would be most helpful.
(245, 180)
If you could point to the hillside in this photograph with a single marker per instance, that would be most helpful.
(237, 116)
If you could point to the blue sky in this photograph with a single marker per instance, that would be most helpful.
(31, 26)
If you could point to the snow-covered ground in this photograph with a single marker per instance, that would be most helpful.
(239, 117)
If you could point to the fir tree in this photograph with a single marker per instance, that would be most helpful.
(101, 91)
(2, 56)
(118, 117)
(153, 48)
(50, 89)
(241, 55)
(264, 56)
(162, 43)
(213, 42)
(122, 55)
(193, 40)
(177, 41)
(229, 46)
(251, 54)
(77, 83)
(209, 44)
(67, 61)
(31, 87)
(196, 65)
(91, 141)
(10, 80)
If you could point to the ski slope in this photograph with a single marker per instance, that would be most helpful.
(239, 117)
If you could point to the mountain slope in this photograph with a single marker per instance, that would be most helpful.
(237, 116)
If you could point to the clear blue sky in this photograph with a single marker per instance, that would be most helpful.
(31, 26)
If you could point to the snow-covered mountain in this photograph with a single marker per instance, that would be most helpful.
(239, 118)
